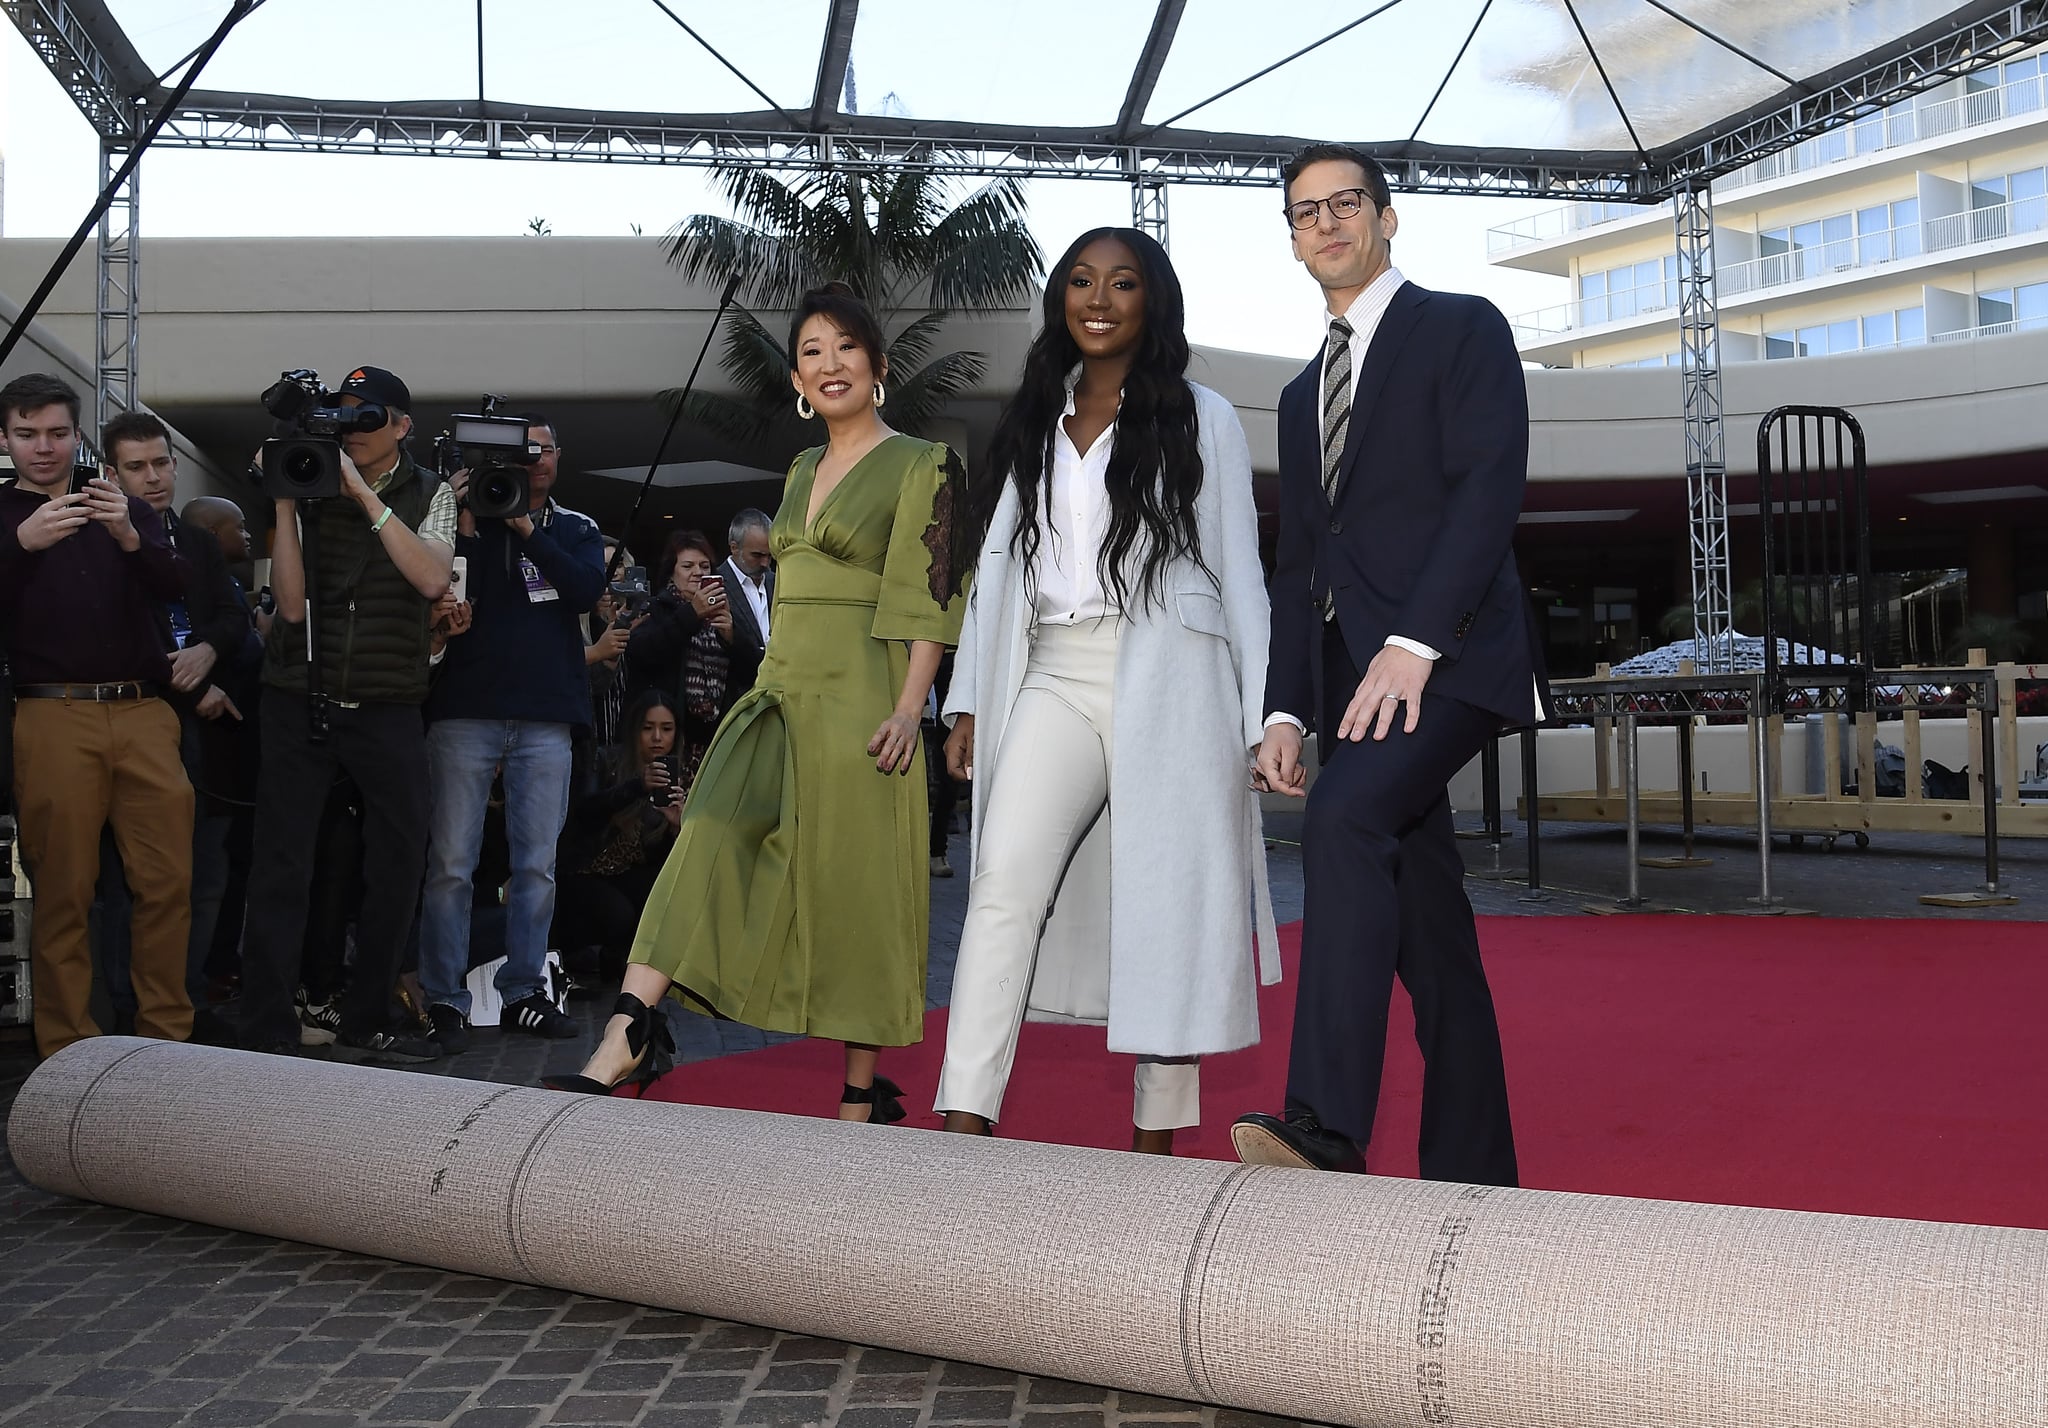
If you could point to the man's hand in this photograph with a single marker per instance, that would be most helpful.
(465, 519)
(107, 504)
(449, 617)
(522, 526)
(1279, 768)
(191, 665)
(960, 749)
(215, 703)
(355, 487)
(1392, 681)
(58, 518)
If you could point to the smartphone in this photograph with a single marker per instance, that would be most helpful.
(80, 475)
(714, 589)
(458, 578)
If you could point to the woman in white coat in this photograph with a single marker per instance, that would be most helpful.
(1105, 701)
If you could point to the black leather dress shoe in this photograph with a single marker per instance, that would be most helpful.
(1298, 1141)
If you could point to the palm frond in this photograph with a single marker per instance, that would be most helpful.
(911, 346)
(775, 269)
(744, 423)
(915, 400)
(757, 363)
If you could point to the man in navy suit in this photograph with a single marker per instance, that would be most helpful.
(1402, 635)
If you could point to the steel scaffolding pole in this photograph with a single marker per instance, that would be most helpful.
(1706, 464)
(1148, 208)
(120, 237)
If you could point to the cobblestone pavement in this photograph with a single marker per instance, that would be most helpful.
(109, 1317)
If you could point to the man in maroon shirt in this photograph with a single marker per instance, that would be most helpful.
(94, 742)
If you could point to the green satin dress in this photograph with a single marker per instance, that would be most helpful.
(797, 895)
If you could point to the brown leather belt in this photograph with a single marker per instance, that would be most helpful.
(92, 693)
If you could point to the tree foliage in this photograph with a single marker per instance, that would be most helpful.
(898, 238)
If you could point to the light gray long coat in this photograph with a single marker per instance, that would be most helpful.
(1162, 951)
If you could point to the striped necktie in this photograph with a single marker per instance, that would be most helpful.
(1336, 418)
(1336, 403)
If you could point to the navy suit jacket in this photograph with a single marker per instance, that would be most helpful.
(1419, 541)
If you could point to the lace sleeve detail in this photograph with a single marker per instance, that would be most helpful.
(939, 535)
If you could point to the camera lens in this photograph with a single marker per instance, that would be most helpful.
(499, 491)
(302, 466)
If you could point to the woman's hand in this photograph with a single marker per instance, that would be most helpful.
(672, 815)
(654, 778)
(960, 749)
(701, 599)
(895, 743)
(607, 647)
(721, 621)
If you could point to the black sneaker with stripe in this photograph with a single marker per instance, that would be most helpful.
(537, 1016)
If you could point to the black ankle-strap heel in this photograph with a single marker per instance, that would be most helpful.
(885, 1096)
(647, 1037)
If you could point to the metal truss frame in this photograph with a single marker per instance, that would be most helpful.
(119, 266)
(1706, 450)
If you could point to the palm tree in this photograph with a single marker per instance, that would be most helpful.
(896, 238)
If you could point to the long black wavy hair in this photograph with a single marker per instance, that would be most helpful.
(1155, 463)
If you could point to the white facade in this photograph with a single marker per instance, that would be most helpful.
(1923, 223)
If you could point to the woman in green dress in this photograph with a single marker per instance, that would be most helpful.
(796, 897)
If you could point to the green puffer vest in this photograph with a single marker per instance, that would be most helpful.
(373, 628)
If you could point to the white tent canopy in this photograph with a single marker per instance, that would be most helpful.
(1570, 97)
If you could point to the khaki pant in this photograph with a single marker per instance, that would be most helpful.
(1048, 785)
(79, 767)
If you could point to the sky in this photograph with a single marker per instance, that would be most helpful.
(1244, 290)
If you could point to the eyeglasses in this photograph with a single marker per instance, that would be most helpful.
(1344, 203)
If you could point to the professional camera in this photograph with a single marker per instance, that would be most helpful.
(306, 465)
(495, 452)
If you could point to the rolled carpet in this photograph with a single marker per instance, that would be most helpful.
(1341, 1299)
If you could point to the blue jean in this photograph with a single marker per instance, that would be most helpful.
(463, 755)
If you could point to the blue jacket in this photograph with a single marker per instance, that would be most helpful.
(522, 658)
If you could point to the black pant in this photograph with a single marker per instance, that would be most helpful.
(1384, 895)
(602, 910)
(383, 748)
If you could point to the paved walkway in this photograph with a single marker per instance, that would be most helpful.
(109, 1317)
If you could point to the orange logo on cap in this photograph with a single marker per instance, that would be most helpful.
(356, 376)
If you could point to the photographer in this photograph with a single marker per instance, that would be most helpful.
(208, 635)
(686, 647)
(509, 696)
(621, 822)
(384, 552)
(81, 574)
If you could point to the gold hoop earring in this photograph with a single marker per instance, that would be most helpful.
(803, 408)
(879, 398)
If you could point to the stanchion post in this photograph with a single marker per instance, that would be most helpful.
(1534, 817)
(1988, 756)
(1632, 788)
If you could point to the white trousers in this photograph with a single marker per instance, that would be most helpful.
(1050, 782)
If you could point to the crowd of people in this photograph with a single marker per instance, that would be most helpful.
(462, 741)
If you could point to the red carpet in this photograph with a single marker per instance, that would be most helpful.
(1878, 1067)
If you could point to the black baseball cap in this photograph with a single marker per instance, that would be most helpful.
(375, 384)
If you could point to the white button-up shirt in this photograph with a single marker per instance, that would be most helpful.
(1364, 315)
(1072, 526)
(756, 591)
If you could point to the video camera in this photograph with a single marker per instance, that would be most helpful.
(306, 466)
(495, 451)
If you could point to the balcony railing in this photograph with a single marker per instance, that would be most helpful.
(1902, 124)
(1821, 260)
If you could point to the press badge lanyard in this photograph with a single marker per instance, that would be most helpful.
(538, 591)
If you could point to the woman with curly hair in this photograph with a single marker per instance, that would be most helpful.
(1105, 698)
(796, 898)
